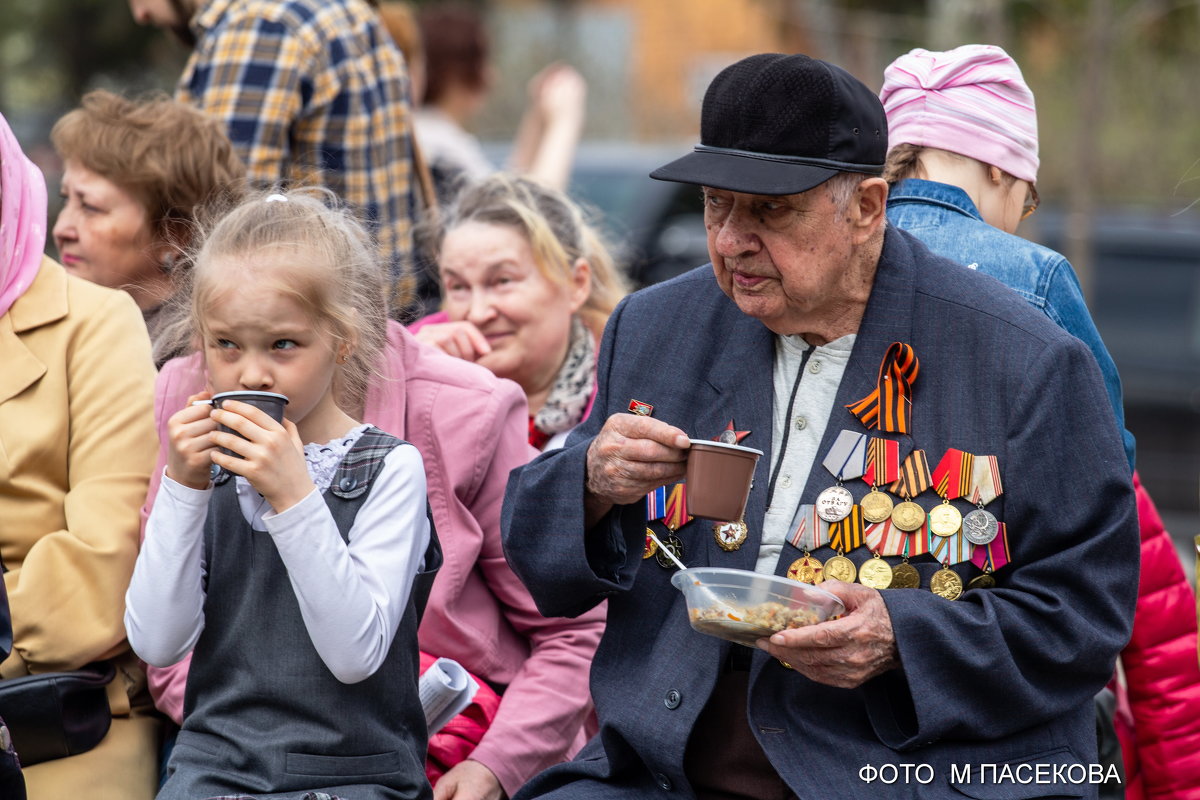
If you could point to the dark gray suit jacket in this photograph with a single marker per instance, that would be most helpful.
(1003, 675)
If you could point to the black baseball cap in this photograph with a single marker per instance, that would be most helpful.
(781, 124)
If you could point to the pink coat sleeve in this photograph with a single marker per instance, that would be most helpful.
(178, 379)
(1161, 674)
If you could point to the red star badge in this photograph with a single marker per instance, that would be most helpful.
(738, 434)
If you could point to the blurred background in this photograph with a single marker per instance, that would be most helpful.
(1118, 109)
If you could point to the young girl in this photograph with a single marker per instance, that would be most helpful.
(289, 573)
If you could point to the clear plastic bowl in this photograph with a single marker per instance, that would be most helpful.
(743, 606)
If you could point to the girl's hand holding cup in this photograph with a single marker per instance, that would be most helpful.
(269, 454)
(189, 458)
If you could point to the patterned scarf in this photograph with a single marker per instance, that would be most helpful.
(22, 219)
(572, 388)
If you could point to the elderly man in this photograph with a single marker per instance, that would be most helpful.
(825, 334)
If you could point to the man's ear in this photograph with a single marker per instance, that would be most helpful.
(868, 209)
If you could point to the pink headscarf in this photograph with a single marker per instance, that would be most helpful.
(971, 100)
(22, 218)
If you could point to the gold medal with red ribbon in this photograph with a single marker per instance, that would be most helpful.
(889, 406)
(951, 479)
(882, 466)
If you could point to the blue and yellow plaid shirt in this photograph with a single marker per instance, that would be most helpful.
(312, 92)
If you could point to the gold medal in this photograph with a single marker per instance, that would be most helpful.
(905, 576)
(984, 581)
(946, 583)
(651, 545)
(875, 573)
(730, 535)
(675, 545)
(908, 516)
(807, 569)
(840, 568)
(945, 519)
(876, 506)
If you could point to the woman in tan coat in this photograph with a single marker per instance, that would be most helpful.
(77, 444)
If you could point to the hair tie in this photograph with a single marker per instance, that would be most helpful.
(276, 198)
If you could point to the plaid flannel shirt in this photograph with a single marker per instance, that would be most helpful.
(312, 92)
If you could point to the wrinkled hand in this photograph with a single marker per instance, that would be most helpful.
(459, 339)
(633, 455)
(272, 456)
(189, 458)
(468, 780)
(844, 652)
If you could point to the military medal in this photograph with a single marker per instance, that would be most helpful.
(847, 458)
(981, 526)
(914, 479)
(876, 506)
(882, 466)
(675, 518)
(905, 576)
(807, 569)
(908, 516)
(875, 573)
(994, 555)
(840, 568)
(984, 581)
(951, 479)
(730, 435)
(651, 545)
(946, 583)
(675, 545)
(730, 535)
(834, 503)
(945, 519)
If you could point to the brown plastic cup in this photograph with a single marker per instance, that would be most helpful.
(270, 402)
(718, 479)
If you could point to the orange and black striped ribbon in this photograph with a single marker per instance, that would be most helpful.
(953, 475)
(888, 407)
(914, 476)
(677, 515)
(847, 534)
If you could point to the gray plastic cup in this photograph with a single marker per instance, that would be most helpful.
(270, 402)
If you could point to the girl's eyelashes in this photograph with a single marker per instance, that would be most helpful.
(285, 344)
(225, 344)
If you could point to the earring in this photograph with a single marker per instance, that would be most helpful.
(342, 359)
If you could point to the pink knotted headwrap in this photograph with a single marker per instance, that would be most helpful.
(22, 218)
(971, 100)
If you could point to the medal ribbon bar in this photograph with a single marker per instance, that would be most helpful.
(918, 541)
(995, 552)
(888, 407)
(951, 550)
(885, 538)
(883, 461)
(847, 458)
(811, 531)
(656, 504)
(914, 476)
(847, 534)
(677, 514)
(985, 480)
(954, 474)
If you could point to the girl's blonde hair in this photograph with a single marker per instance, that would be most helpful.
(321, 256)
(557, 231)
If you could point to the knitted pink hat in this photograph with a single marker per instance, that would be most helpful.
(970, 100)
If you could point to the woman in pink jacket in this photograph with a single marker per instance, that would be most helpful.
(471, 430)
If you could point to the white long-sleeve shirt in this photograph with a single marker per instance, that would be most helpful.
(351, 595)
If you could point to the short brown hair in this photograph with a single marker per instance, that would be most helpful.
(456, 49)
(171, 157)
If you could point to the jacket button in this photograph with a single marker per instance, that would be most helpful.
(673, 699)
(663, 781)
(347, 483)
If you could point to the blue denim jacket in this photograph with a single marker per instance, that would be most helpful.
(944, 218)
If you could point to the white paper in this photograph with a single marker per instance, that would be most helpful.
(445, 690)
